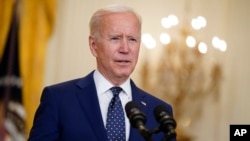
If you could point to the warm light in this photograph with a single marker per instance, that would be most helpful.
(199, 22)
(165, 38)
(169, 21)
(190, 41)
(202, 47)
(165, 23)
(219, 44)
(202, 21)
(215, 42)
(173, 19)
(195, 24)
(223, 46)
(148, 41)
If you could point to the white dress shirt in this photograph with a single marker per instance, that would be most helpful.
(105, 95)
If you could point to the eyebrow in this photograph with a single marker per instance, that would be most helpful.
(120, 35)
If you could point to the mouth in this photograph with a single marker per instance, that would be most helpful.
(122, 61)
(125, 61)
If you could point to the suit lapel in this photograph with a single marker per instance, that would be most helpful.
(88, 100)
(137, 97)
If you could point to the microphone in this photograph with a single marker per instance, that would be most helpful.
(167, 123)
(137, 119)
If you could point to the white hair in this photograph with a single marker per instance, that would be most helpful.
(96, 18)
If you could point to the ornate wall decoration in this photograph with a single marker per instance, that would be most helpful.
(184, 77)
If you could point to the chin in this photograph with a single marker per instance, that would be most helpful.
(123, 74)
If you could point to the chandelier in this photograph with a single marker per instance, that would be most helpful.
(188, 71)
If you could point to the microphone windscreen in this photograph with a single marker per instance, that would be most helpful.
(159, 112)
(130, 106)
(134, 114)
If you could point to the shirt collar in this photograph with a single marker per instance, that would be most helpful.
(103, 85)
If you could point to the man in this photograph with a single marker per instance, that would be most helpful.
(78, 110)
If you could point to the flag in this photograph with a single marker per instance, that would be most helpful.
(33, 29)
(13, 113)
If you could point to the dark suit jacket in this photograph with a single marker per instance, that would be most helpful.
(70, 111)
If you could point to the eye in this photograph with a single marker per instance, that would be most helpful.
(133, 39)
(115, 38)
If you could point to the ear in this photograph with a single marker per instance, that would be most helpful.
(92, 45)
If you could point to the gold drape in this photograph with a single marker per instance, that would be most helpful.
(6, 9)
(37, 18)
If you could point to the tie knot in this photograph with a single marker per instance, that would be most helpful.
(116, 90)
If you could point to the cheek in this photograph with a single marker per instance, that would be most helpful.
(135, 53)
(100, 50)
(104, 54)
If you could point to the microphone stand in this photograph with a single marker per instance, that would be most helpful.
(146, 135)
(169, 135)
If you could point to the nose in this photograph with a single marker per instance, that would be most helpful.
(124, 47)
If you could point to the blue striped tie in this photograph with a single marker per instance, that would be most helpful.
(115, 120)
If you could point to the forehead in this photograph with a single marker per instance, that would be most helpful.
(121, 15)
(125, 20)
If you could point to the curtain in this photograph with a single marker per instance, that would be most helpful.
(36, 20)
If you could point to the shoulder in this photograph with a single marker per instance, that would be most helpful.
(154, 100)
(150, 99)
(77, 82)
(69, 86)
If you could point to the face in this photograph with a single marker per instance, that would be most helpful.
(117, 47)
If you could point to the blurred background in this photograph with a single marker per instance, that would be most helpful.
(194, 55)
